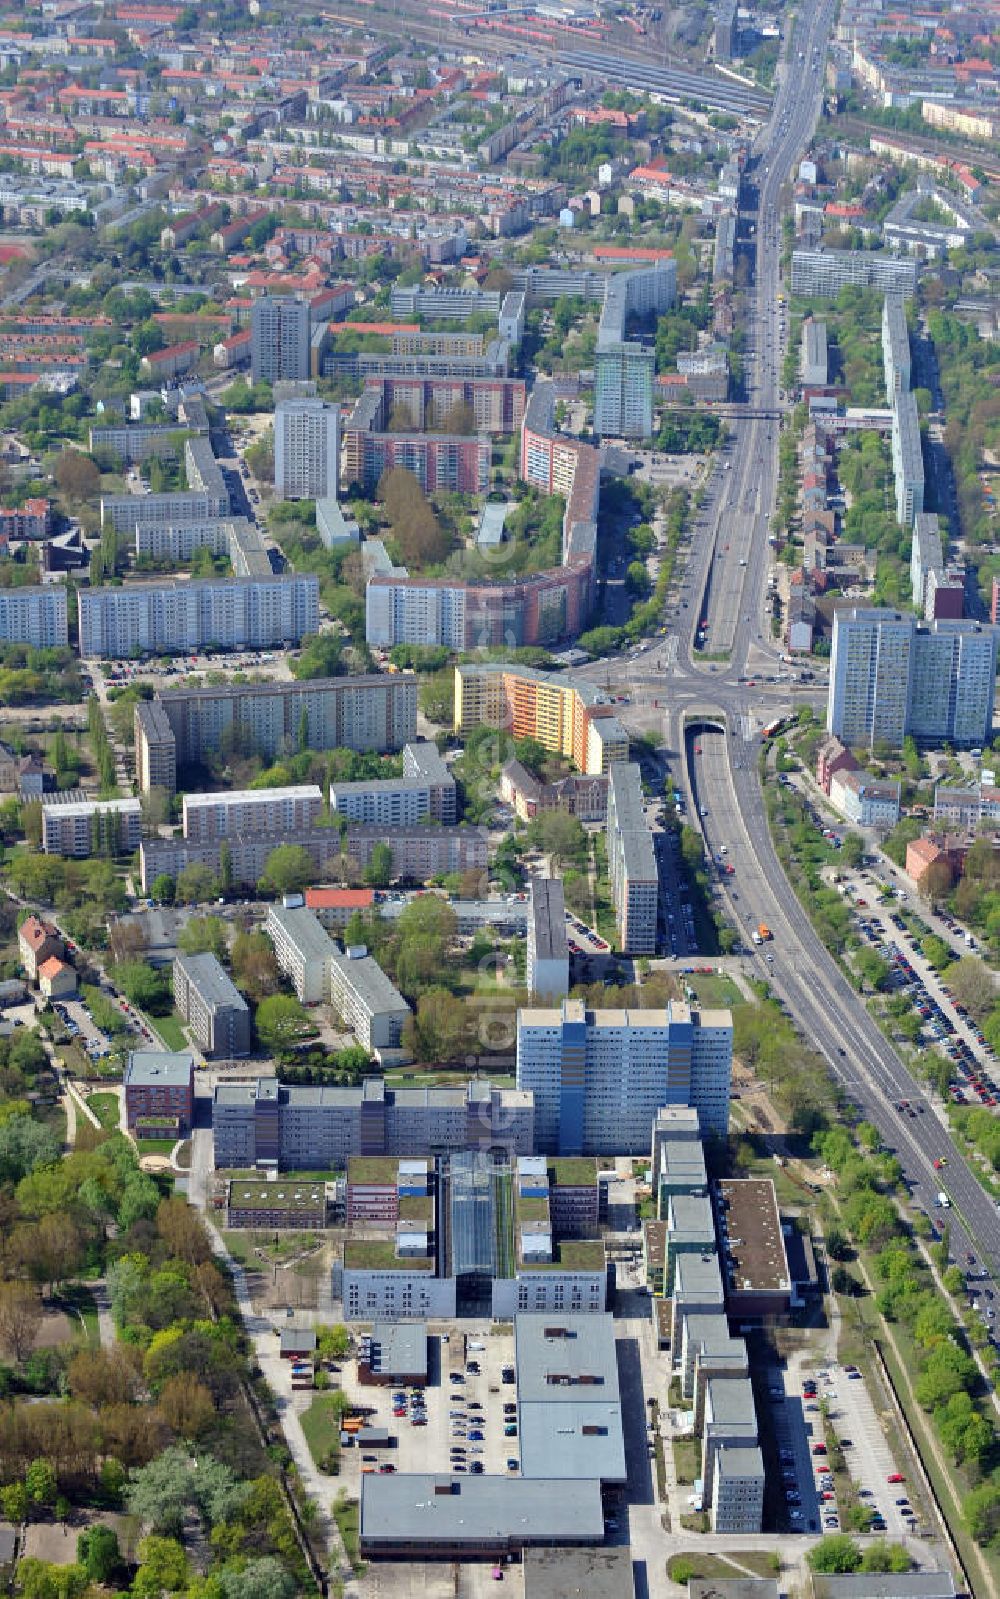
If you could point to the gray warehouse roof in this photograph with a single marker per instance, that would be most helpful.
(569, 1402)
(399, 1347)
(579, 1573)
(474, 1510)
(885, 1585)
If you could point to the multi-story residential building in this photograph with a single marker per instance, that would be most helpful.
(159, 1088)
(334, 907)
(623, 390)
(306, 449)
(279, 339)
(864, 801)
(426, 404)
(137, 441)
(635, 880)
(891, 676)
(599, 1077)
(177, 616)
(967, 808)
(907, 457)
(34, 616)
(814, 360)
(562, 711)
(832, 756)
(251, 810)
(157, 542)
(212, 1005)
(419, 852)
(925, 555)
(80, 827)
(376, 712)
(37, 942)
(318, 1129)
(548, 949)
(895, 346)
(155, 748)
(445, 305)
(367, 1001)
(423, 764)
(818, 274)
(585, 797)
(32, 520)
(303, 949)
(440, 462)
(944, 595)
(127, 512)
(425, 792)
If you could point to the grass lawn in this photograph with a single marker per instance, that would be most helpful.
(105, 1108)
(347, 1515)
(321, 1425)
(687, 1459)
(696, 1564)
(170, 1029)
(715, 991)
(155, 1146)
(78, 1303)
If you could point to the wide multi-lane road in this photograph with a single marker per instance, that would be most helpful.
(708, 705)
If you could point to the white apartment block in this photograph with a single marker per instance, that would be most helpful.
(91, 827)
(548, 947)
(126, 512)
(599, 1077)
(303, 949)
(907, 457)
(891, 676)
(367, 1001)
(165, 542)
(306, 449)
(34, 616)
(279, 339)
(623, 390)
(251, 810)
(409, 612)
(177, 616)
(389, 802)
(635, 885)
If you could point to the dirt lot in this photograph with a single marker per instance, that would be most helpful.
(56, 1542)
(54, 1329)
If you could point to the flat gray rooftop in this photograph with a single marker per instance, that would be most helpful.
(548, 918)
(158, 1068)
(206, 975)
(569, 1402)
(412, 1509)
(579, 1573)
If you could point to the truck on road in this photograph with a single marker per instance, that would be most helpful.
(764, 931)
(943, 1200)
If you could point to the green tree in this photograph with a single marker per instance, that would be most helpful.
(41, 1483)
(287, 870)
(142, 985)
(98, 1553)
(378, 872)
(163, 1568)
(982, 1512)
(320, 656)
(204, 935)
(163, 888)
(835, 1554)
(196, 885)
(282, 1023)
(882, 1556)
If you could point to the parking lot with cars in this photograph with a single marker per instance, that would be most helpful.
(463, 1421)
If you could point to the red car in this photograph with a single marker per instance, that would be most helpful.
(895, 1476)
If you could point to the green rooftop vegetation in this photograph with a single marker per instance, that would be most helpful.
(276, 1196)
(573, 1254)
(532, 1208)
(573, 1171)
(379, 1254)
(372, 1169)
(416, 1207)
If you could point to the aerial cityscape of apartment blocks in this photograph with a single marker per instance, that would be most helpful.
(178, 616)
(306, 449)
(565, 713)
(266, 810)
(315, 1129)
(598, 1077)
(377, 712)
(823, 273)
(34, 616)
(893, 676)
(439, 462)
(635, 882)
(126, 512)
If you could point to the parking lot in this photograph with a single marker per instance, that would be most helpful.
(852, 1416)
(457, 1423)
